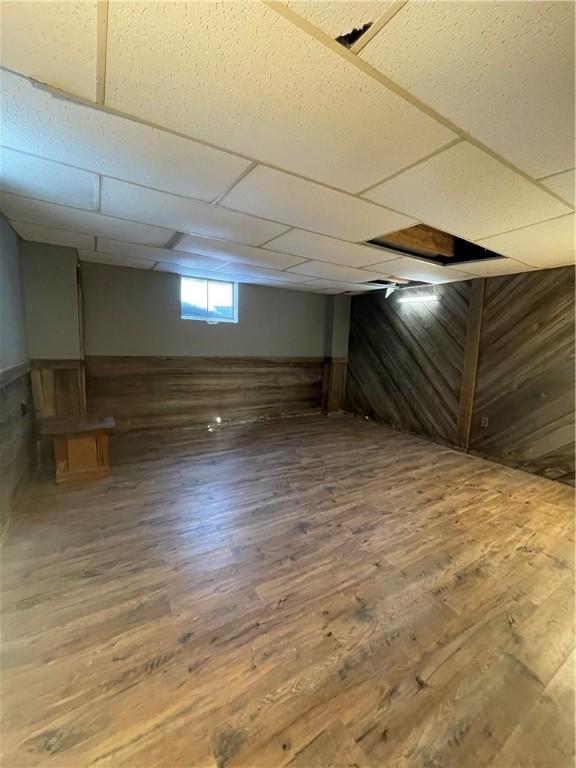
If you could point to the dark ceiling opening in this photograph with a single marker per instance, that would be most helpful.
(350, 38)
(433, 245)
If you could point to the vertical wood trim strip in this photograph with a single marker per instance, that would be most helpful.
(334, 385)
(326, 373)
(82, 399)
(470, 370)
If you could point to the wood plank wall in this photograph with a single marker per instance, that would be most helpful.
(334, 384)
(406, 363)
(145, 392)
(17, 453)
(405, 360)
(525, 385)
(58, 388)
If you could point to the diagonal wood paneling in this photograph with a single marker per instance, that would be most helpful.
(406, 365)
(405, 360)
(525, 387)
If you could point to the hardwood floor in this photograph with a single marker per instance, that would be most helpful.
(309, 592)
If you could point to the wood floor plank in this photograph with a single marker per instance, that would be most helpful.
(333, 748)
(307, 592)
(546, 735)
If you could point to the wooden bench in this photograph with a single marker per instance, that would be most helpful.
(80, 446)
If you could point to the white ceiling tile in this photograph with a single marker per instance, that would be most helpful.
(204, 263)
(251, 270)
(339, 286)
(38, 233)
(131, 250)
(117, 261)
(413, 269)
(52, 215)
(280, 196)
(468, 193)
(205, 246)
(269, 283)
(321, 248)
(494, 267)
(339, 17)
(563, 184)
(129, 201)
(53, 42)
(36, 122)
(503, 71)
(548, 244)
(43, 179)
(284, 98)
(321, 269)
(181, 269)
(359, 292)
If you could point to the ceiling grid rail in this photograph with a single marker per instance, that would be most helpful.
(224, 202)
(321, 37)
(387, 82)
(101, 49)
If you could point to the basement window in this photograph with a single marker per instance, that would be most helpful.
(213, 301)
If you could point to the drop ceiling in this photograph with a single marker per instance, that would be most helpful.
(239, 138)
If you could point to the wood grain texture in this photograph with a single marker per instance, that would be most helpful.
(148, 392)
(334, 385)
(74, 425)
(308, 592)
(470, 367)
(16, 442)
(406, 360)
(59, 364)
(58, 388)
(81, 457)
(421, 238)
(525, 386)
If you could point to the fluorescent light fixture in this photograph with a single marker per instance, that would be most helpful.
(418, 299)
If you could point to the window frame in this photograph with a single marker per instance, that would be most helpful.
(208, 280)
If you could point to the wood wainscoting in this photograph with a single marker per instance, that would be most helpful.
(150, 392)
(58, 388)
(16, 441)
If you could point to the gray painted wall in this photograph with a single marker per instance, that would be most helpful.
(340, 326)
(50, 301)
(12, 334)
(136, 312)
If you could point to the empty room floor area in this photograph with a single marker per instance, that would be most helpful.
(306, 592)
